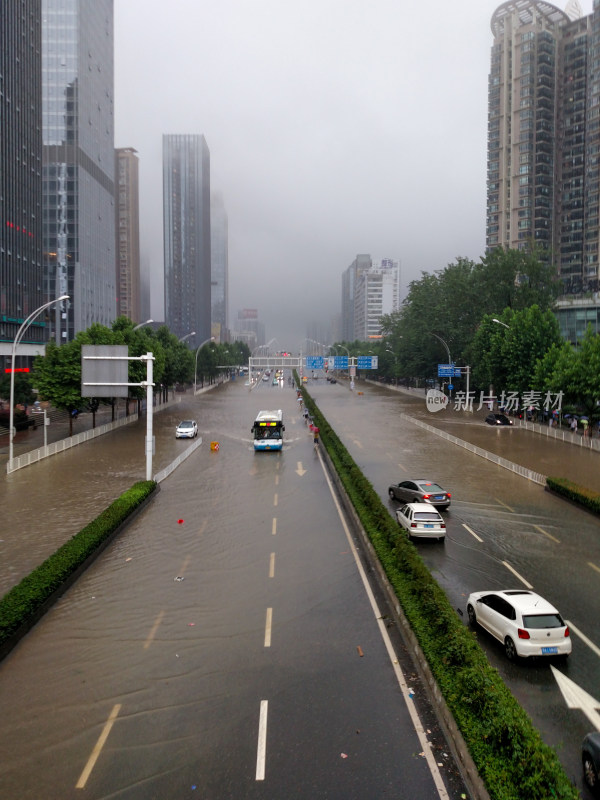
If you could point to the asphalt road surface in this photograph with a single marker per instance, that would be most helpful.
(224, 646)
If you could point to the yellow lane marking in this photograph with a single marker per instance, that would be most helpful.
(357, 443)
(185, 564)
(98, 748)
(516, 574)
(276, 480)
(268, 626)
(472, 532)
(504, 504)
(593, 566)
(152, 633)
(275, 499)
(274, 528)
(549, 535)
(203, 527)
(272, 566)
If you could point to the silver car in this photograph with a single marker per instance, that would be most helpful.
(420, 490)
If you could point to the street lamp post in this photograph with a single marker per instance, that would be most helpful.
(200, 346)
(141, 325)
(17, 338)
(499, 322)
(187, 336)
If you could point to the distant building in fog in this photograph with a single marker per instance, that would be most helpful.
(370, 289)
(128, 234)
(186, 211)
(78, 163)
(219, 255)
(249, 328)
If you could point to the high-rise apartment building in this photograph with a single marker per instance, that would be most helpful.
(543, 182)
(219, 255)
(127, 223)
(377, 293)
(186, 212)
(21, 277)
(349, 278)
(78, 162)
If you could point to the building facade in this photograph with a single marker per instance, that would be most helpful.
(350, 276)
(377, 293)
(219, 255)
(543, 182)
(21, 275)
(127, 224)
(186, 213)
(78, 163)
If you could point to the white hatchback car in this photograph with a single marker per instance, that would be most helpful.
(187, 429)
(421, 520)
(525, 623)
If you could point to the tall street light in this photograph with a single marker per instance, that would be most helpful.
(187, 336)
(200, 346)
(499, 322)
(141, 325)
(16, 341)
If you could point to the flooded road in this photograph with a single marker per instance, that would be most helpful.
(223, 646)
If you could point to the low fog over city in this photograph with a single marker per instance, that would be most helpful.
(334, 127)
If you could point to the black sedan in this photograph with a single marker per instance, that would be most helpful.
(590, 757)
(420, 490)
(498, 419)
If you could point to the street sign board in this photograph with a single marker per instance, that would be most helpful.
(340, 362)
(315, 362)
(366, 362)
(448, 371)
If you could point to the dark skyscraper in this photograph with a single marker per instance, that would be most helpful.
(79, 162)
(21, 277)
(186, 212)
(128, 234)
(220, 268)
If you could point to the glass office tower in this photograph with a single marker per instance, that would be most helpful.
(186, 211)
(219, 253)
(78, 162)
(21, 278)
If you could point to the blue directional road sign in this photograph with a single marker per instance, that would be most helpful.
(448, 371)
(366, 362)
(340, 362)
(315, 362)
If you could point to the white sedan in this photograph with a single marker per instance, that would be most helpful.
(422, 521)
(187, 429)
(525, 623)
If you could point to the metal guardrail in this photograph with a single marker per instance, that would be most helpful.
(535, 477)
(164, 473)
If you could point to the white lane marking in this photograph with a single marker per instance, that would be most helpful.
(268, 626)
(261, 752)
(504, 504)
(274, 527)
(583, 638)
(466, 527)
(152, 633)
(275, 499)
(276, 480)
(98, 748)
(516, 574)
(357, 443)
(272, 566)
(593, 566)
(410, 705)
(202, 527)
(549, 535)
(185, 564)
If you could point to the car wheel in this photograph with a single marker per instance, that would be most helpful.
(589, 772)
(391, 494)
(472, 615)
(510, 649)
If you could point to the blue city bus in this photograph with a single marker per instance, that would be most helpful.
(268, 430)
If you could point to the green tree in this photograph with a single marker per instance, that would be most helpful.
(23, 393)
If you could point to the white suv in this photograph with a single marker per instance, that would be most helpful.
(525, 623)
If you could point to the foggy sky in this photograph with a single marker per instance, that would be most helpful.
(335, 127)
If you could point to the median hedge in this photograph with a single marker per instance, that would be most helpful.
(577, 494)
(23, 605)
(508, 751)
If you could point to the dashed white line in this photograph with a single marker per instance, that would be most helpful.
(472, 532)
(261, 752)
(272, 566)
(593, 566)
(583, 638)
(152, 633)
(274, 526)
(516, 574)
(275, 499)
(549, 535)
(98, 748)
(268, 626)
(504, 504)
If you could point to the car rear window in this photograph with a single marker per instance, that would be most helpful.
(425, 516)
(543, 621)
(431, 487)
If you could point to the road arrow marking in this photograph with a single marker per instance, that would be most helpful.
(299, 470)
(576, 697)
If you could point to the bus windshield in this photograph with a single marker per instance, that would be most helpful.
(268, 430)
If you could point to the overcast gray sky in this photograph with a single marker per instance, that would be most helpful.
(335, 127)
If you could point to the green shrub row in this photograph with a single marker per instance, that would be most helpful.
(23, 602)
(577, 494)
(508, 751)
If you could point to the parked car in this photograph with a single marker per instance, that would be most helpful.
(187, 429)
(420, 490)
(525, 623)
(498, 419)
(590, 759)
(421, 521)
